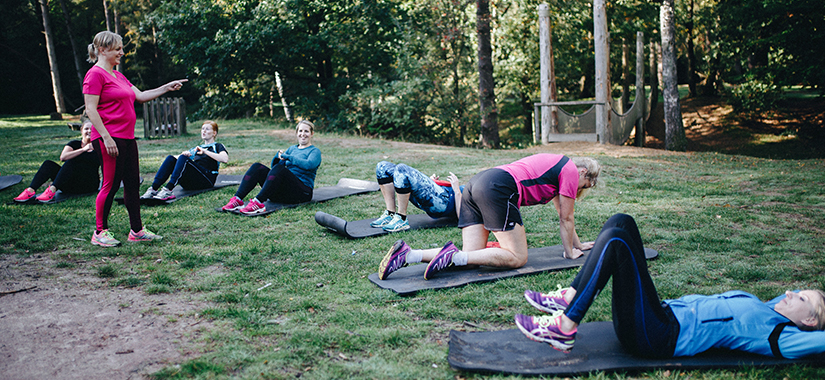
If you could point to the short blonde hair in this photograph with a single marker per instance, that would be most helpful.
(819, 310)
(592, 171)
(106, 40)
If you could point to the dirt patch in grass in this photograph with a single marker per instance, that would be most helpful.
(69, 324)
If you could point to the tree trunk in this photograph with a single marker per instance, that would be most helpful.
(654, 77)
(691, 54)
(625, 103)
(55, 73)
(674, 128)
(279, 82)
(107, 14)
(78, 65)
(601, 45)
(549, 93)
(486, 85)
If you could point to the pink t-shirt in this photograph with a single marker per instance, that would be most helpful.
(538, 182)
(117, 102)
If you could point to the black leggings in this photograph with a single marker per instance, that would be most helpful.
(643, 324)
(71, 178)
(277, 184)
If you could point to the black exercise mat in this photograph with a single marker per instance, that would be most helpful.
(223, 180)
(7, 181)
(596, 349)
(345, 187)
(361, 228)
(410, 279)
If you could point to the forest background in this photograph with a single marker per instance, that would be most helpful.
(400, 68)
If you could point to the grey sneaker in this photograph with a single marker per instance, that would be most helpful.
(396, 224)
(104, 239)
(164, 194)
(150, 193)
(382, 220)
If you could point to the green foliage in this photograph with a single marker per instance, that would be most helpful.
(753, 96)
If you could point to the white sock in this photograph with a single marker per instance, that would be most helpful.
(460, 258)
(414, 256)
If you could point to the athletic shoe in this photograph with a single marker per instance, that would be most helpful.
(395, 259)
(104, 239)
(24, 196)
(442, 260)
(47, 195)
(546, 329)
(254, 207)
(382, 220)
(164, 195)
(234, 204)
(143, 235)
(396, 224)
(150, 193)
(547, 302)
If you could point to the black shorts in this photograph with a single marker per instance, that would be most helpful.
(490, 198)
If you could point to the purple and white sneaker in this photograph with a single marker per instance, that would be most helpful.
(395, 258)
(442, 260)
(547, 302)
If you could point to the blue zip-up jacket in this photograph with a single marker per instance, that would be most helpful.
(739, 321)
(302, 162)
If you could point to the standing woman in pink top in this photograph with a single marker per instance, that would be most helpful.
(490, 202)
(109, 99)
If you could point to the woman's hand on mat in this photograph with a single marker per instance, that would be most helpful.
(574, 255)
(588, 245)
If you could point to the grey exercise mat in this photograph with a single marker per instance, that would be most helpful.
(7, 181)
(361, 228)
(596, 349)
(223, 180)
(345, 187)
(410, 279)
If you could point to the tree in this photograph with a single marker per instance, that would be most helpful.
(55, 71)
(486, 84)
(674, 129)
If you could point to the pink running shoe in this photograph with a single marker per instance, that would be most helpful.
(254, 207)
(47, 195)
(394, 260)
(24, 196)
(143, 235)
(234, 204)
(546, 329)
(547, 302)
(104, 239)
(442, 260)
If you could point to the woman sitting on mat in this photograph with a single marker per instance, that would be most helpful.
(194, 169)
(290, 180)
(682, 327)
(491, 201)
(78, 175)
(435, 197)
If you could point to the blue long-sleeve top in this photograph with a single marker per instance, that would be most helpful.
(739, 321)
(301, 162)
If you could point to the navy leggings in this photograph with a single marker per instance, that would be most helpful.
(70, 178)
(643, 324)
(185, 172)
(277, 184)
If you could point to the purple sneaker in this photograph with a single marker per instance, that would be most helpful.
(546, 329)
(547, 302)
(395, 259)
(442, 260)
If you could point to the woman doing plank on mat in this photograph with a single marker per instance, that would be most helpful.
(110, 103)
(78, 175)
(290, 180)
(194, 169)
(682, 327)
(490, 203)
(435, 197)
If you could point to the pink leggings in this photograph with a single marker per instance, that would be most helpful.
(124, 168)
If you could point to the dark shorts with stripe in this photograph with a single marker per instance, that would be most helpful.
(490, 198)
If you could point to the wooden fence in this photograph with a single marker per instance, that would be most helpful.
(164, 117)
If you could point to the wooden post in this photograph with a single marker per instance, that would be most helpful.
(640, 88)
(625, 77)
(600, 43)
(549, 118)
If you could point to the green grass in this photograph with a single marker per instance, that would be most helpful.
(719, 221)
